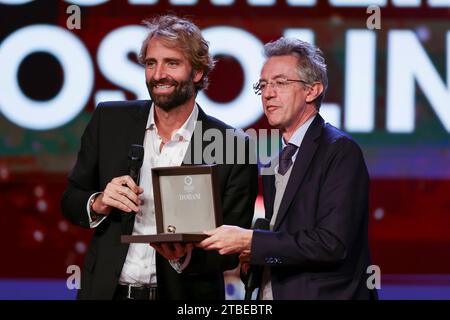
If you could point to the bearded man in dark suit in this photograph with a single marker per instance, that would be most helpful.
(101, 194)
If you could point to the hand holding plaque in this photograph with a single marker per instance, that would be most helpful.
(187, 202)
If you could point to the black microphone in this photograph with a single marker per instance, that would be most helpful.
(254, 273)
(135, 159)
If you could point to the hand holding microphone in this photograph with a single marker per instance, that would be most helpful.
(123, 192)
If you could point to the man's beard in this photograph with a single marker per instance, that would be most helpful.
(183, 91)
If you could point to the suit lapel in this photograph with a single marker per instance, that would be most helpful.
(304, 156)
(139, 118)
(136, 132)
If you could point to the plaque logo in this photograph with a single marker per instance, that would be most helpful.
(188, 180)
(188, 187)
(188, 193)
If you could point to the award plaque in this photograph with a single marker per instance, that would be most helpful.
(187, 202)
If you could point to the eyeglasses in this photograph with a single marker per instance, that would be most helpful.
(278, 84)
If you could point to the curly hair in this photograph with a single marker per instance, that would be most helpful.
(184, 35)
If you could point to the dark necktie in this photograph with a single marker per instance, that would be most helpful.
(286, 158)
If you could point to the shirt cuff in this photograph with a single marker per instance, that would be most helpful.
(178, 266)
(95, 223)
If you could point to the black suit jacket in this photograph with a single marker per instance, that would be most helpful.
(319, 245)
(103, 155)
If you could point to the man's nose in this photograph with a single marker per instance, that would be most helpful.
(269, 92)
(159, 73)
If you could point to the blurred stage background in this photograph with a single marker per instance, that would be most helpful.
(389, 88)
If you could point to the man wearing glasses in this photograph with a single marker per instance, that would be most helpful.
(316, 198)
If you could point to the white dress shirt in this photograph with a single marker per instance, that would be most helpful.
(140, 263)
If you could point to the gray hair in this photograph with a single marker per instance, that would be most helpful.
(311, 63)
(184, 35)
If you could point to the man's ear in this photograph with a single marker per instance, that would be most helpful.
(198, 74)
(314, 91)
